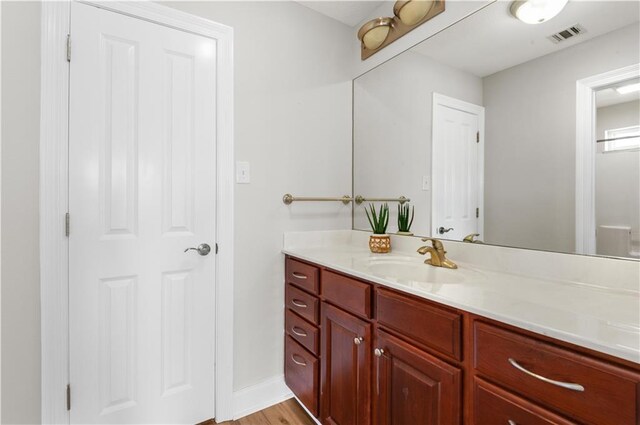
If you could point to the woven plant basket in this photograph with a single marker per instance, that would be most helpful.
(380, 244)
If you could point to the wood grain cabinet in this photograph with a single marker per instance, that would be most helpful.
(346, 368)
(413, 387)
(359, 353)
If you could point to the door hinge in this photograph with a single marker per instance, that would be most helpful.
(478, 137)
(477, 212)
(66, 224)
(68, 396)
(68, 47)
(216, 247)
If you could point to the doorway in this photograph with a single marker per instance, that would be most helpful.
(457, 169)
(586, 151)
(137, 153)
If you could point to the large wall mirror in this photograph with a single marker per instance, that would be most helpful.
(527, 135)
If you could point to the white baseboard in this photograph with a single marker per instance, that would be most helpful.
(260, 396)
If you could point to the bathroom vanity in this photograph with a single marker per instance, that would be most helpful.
(374, 339)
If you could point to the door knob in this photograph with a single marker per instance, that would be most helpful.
(203, 249)
(358, 340)
(442, 230)
(378, 352)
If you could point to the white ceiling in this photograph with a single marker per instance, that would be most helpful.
(492, 40)
(350, 13)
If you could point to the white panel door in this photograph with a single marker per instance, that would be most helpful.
(142, 190)
(456, 166)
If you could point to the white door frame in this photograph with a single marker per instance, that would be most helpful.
(54, 187)
(450, 102)
(586, 154)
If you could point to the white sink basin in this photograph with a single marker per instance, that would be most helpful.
(412, 269)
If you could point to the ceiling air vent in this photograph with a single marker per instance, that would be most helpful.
(570, 32)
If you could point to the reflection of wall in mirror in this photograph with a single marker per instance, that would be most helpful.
(530, 141)
(392, 131)
(617, 184)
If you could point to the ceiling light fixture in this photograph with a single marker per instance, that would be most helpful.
(375, 32)
(630, 88)
(536, 11)
(410, 12)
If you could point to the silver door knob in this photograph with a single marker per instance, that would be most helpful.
(378, 352)
(203, 249)
(357, 340)
(442, 230)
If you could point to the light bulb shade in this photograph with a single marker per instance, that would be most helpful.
(374, 33)
(410, 12)
(536, 11)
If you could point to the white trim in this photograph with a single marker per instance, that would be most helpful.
(54, 260)
(450, 102)
(260, 396)
(54, 197)
(585, 152)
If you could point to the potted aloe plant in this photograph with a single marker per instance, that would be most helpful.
(379, 242)
(405, 219)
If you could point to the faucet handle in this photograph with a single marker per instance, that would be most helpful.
(436, 243)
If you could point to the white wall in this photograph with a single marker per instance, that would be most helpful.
(20, 277)
(392, 131)
(292, 122)
(618, 173)
(530, 141)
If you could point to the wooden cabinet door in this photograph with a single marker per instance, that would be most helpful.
(346, 368)
(413, 387)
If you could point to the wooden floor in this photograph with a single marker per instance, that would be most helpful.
(286, 413)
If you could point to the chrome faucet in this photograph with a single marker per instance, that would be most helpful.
(438, 258)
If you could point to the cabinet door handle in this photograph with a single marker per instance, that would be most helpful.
(296, 361)
(299, 275)
(299, 303)
(378, 352)
(358, 340)
(510, 422)
(298, 332)
(567, 385)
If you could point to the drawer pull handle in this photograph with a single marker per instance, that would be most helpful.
(298, 275)
(357, 340)
(299, 303)
(299, 331)
(378, 352)
(567, 385)
(296, 361)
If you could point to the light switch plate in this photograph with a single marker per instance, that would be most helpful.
(425, 183)
(243, 172)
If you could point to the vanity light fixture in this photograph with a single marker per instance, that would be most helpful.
(374, 33)
(629, 88)
(410, 12)
(536, 11)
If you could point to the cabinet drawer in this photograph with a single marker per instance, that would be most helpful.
(302, 331)
(422, 322)
(351, 294)
(302, 275)
(301, 372)
(495, 406)
(609, 394)
(304, 304)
